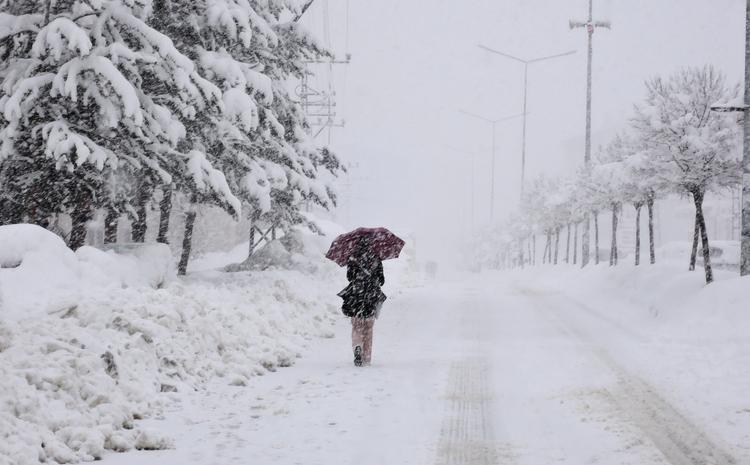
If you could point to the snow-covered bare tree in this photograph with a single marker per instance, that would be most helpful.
(693, 148)
(643, 186)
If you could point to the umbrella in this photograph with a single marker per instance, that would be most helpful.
(383, 243)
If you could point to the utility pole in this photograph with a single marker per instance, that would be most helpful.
(493, 123)
(745, 226)
(526, 64)
(743, 108)
(590, 26)
(320, 105)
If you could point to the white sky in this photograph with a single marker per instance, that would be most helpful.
(415, 63)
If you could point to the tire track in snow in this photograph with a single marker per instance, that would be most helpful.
(680, 441)
(466, 435)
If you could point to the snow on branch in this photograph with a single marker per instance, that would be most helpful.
(255, 183)
(11, 25)
(241, 106)
(62, 143)
(224, 68)
(207, 177)
(59, 35)
(25, 93)
(66, 83)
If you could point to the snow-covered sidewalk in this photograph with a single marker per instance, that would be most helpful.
(323, 410)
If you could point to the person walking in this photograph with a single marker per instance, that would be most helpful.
(363, 298)
(362, 252)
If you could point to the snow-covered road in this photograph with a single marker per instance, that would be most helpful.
(478, 371)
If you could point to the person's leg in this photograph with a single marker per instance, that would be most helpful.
(367, 340)
(358, 336)
(356, 332)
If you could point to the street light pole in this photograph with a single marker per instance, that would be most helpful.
(745, 225)
(492, 185)
(523, 131)
(744, 108)
(526, 64)
(590, 26)
(493, 123)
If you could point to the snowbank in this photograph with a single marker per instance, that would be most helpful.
(40, 275)
(77, 373)
(664, 299)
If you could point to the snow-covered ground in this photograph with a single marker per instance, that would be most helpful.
(90, 343)
(607, 365)
(537, 367)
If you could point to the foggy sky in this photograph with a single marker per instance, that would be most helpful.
(415, 63)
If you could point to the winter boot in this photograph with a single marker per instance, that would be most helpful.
(358, 356)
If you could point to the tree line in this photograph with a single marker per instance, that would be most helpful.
(110, 108)
(673, 144)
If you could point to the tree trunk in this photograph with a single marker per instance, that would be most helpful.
(533, 259)
(251, 241)
(138, 232)
(47, 12)
(544, 254)
(638, 207)
(549, 248)
(567, 246)
(575, 244)
(613, 247)
(585, 240)
(528, 252)
(165, 209)
(80, 216)
(557, 244)
(694, 250)
(651, 250)
(596, 237)
(110, 225)
(698, 197)
(10, 212)
(187, 241)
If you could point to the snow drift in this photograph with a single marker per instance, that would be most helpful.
(92, 341)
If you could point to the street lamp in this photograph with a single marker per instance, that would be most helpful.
(526, 64)
(492, 122)
(590, 25)
(741, 107)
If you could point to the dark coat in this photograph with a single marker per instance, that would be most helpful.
(363, 297)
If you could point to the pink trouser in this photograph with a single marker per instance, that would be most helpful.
(362, 336)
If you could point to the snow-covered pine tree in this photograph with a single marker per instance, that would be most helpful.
(91, 96)
(253, 50)
(694, 148)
